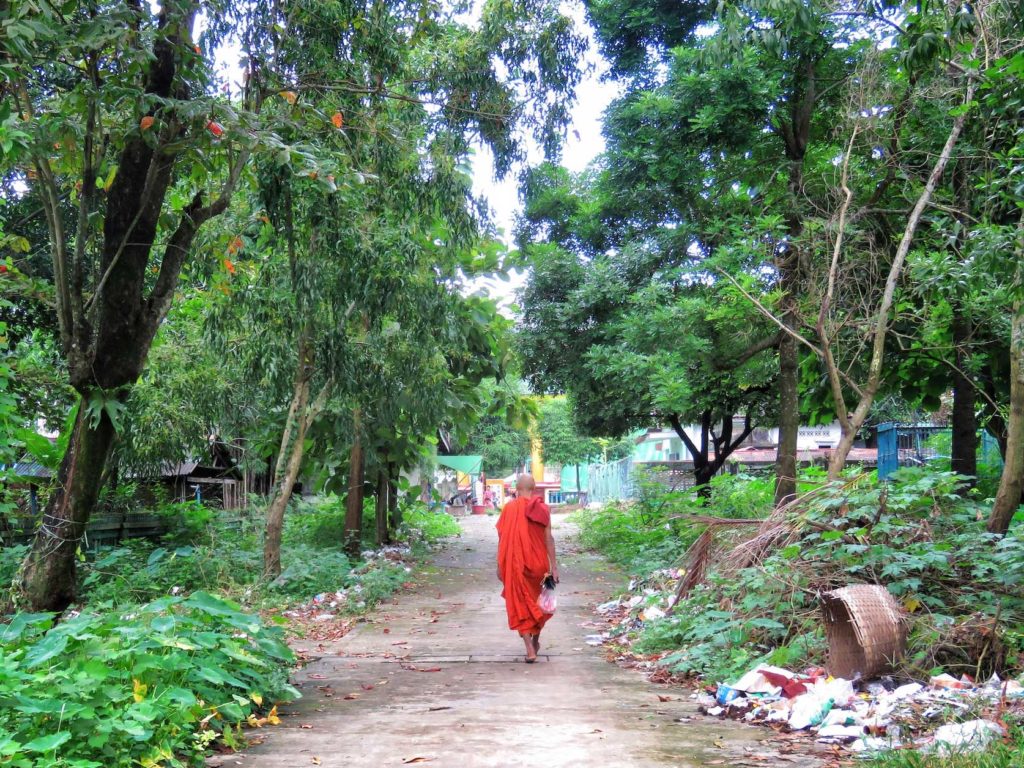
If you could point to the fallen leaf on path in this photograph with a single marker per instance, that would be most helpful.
(437, 709)
(387, 631)
(383, 682)
(350, 696)
(306, 727)
(316, 761)
(664, 698)
(366, 687)
(318, 677)
(417, 760)
(401, 642)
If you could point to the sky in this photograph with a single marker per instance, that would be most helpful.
(583, 143)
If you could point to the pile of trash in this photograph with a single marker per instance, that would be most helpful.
(647, 599)
(327, 615)
(873, 716)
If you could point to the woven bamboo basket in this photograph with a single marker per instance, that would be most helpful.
(866, 629)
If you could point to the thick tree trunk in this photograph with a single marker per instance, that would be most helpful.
(106, 336)
(289, 464)
(1008, 498)
(354, 501)
(381, 508)
(48, 575)
(964, 450)
(789, 417)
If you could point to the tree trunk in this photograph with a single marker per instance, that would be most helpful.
(285, 476)
(107, 336)
(789, 419)
(381, 508)
(964, 450)
(394, 511)
(48, 576)
(704, 467)
(354, 501)
(1008, 498)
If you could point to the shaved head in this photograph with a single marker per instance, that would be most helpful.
(525, 484)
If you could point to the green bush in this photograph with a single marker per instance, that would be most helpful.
(309, 570)
(317, 523)
(138, 571)
(155, 686)
(420, 523)
(10, 561)
(917, 535)
(654, 531)
(190, 522)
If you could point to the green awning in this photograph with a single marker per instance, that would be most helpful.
(467, 465)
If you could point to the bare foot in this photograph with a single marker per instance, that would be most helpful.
(531, 650)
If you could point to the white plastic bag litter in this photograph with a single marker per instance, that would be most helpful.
(841, 732)
(842, 717)
(754, 682)
(954, 738)
(809, 709)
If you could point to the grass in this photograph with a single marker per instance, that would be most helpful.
(1008, 754)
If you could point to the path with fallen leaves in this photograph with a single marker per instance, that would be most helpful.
(436, 678)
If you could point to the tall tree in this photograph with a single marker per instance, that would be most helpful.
(561, 441)
(127, 99)
(150, 147)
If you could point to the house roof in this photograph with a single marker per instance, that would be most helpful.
(29, 468)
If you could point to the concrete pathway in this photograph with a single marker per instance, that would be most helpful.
(437, 678)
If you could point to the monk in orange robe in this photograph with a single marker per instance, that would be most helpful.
(526, 555)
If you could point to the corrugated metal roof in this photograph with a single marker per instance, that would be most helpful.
(26, 468)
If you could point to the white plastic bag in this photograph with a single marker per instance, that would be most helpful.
(547, 600)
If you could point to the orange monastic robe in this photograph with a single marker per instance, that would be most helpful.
(523, 561)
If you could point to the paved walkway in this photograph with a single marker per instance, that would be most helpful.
(437, 678)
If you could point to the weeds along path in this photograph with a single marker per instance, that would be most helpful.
(435, 677)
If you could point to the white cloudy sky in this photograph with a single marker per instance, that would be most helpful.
(583, 143)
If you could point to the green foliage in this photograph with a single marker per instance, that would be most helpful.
(11, 559)
(562, 443)
(654, 532)
(154, 687)
(917, 535)
(200, 554)
(500, 436)
(420, 523)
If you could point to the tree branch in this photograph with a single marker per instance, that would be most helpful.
(826, 305)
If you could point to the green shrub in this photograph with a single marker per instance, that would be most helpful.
(629, 536)
(10, 561)
(151, 687)
(308, 571)
(316, 523)
(137, 571)
(654, 531)
(917, 535)
(420, 523)
(190, 522)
